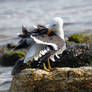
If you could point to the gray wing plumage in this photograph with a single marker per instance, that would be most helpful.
(55, 42)
(33, 51)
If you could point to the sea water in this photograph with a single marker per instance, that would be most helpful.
(77, 15)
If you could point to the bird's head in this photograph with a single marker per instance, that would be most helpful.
(56, 26)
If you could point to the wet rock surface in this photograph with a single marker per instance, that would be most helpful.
(59, 80)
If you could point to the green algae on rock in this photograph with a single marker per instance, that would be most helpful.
(9, 58)
(80, 38)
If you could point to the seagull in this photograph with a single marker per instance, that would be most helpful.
(43, 42)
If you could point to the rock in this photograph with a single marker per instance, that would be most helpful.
(76, 56)
(60, 80)
(4, 91)
(9, 58)
(80, 38)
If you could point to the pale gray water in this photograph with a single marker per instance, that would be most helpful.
(14, 13)
(5, 78)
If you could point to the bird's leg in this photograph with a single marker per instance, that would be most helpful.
(45, 68)
(49, 67)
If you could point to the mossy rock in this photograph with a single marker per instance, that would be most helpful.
(10, 58)
(80, 38)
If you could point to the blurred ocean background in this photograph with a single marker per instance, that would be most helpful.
(77, 16)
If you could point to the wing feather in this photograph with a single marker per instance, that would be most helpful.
(33, 50)
(44, 43)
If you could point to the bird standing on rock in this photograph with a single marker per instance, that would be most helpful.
(43, 42)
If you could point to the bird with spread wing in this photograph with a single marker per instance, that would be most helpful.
(43, 42)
